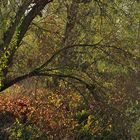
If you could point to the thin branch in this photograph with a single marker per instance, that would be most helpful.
(76, 88)
(66, 48)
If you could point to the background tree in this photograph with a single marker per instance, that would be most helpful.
(88, 46)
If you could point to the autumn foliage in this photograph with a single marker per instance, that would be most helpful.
(52, 113)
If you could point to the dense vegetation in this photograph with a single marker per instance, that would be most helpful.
(69, 69)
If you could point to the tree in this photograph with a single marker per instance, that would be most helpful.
(92, 46)
(81, 36)
(13, 35)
